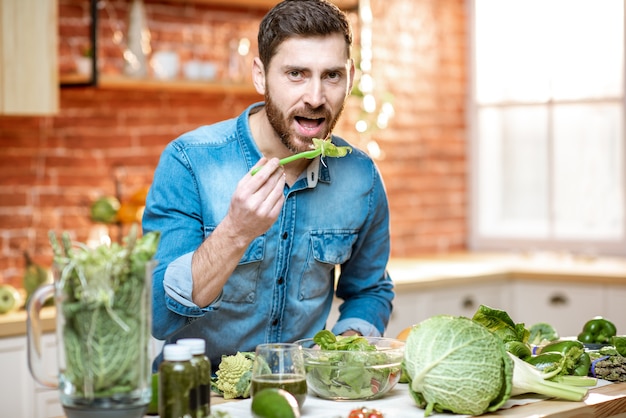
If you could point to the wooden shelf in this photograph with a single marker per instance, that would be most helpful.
(127, 83)
(121, 82)
(264, 4)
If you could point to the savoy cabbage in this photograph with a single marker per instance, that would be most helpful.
(457, 365)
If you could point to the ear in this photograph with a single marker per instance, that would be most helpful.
(352, 73)
(258, 76)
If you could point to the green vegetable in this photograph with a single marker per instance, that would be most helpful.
(548, 362)
(519, 349)
(541, 333)
(612, 368)
(321, 147)
(576, 360)
(105, 210)
(597, 331)
(585, 381)
(514, 336)
(350, 367)
(234, 376)
(105, 310)
(619, 342)
(455, 364)
(528, 379)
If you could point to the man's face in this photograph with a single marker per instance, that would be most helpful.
(306, 86)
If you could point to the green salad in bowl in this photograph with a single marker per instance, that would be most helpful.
(351, 367)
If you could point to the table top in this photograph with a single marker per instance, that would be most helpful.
(603, 401)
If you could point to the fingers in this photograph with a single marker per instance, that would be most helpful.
(265, 165)
(258, 198)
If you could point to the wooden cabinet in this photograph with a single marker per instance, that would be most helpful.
(29, 83)
(566, 306)
(615, 307)
(413, 305)
(20, 395)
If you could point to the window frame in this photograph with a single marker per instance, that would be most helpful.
(481, 242)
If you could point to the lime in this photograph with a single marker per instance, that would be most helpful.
(274, 403)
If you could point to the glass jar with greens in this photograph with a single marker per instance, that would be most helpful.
(103, 314)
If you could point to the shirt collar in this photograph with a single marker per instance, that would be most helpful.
(317, 171)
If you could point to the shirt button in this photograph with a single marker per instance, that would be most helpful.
(275, 322)
(280, 280)
(285, 235)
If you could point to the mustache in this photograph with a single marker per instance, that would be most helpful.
(312, 113)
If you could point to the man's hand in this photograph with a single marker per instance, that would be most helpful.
(257, 201)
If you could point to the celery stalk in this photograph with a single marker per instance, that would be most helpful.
(321, 147)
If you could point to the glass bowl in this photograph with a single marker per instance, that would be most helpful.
(353, 375)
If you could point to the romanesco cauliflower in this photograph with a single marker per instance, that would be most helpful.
(234, 375)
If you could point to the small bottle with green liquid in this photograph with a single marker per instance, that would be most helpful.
(201, 394)
(177, 378)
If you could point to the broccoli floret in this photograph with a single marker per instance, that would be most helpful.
(234, 376)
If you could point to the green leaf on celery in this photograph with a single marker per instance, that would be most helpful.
(322, 147)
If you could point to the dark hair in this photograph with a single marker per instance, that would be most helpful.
(300, 18)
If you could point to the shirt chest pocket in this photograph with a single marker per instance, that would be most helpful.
(326, 249)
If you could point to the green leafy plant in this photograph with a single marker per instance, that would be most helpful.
(105, 309)
(322, 147)
(350, 367)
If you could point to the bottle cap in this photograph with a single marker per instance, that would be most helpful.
(196, 345)
(176, 352)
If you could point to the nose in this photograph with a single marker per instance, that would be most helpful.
(314, 95)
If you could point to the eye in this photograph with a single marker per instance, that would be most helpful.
(334, 76)
(294, 74)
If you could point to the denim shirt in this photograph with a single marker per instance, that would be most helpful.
(335, 214)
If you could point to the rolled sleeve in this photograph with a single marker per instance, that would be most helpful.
(178, 285)
(356, 324)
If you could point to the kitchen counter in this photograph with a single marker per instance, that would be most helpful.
(605, 401)
(462, 268)
(13, 324)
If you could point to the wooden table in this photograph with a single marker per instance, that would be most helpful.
(606, 401)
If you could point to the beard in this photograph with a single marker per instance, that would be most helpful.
(281, 123)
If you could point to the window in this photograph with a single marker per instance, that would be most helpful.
(547, 116)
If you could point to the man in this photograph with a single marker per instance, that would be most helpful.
(247, 259)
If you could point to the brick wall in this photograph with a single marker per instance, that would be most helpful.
(107, 141)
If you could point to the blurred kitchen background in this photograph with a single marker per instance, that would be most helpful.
(497, 125)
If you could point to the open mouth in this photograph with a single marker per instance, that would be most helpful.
(309, 126)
